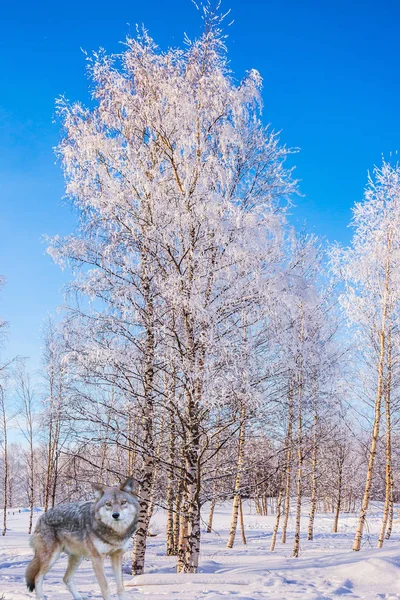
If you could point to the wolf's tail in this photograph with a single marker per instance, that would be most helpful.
(31, 571)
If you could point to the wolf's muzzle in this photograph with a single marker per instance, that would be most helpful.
(115, 515)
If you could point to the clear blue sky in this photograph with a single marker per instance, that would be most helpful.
(331, 84)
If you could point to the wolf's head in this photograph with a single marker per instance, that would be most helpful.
(116, 506)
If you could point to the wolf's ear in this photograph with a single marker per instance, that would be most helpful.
(129, 485)
(98, 490)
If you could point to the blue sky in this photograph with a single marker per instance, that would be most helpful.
(331, 84)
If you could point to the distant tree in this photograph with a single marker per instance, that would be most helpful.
(25, 394)
(55, 399)
(4, 381)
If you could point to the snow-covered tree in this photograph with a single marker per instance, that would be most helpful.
(370, 270)
(179, 188)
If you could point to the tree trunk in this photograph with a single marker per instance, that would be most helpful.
(5, 483)
(171, 545)
(55, 480)
(49, 462)
(377, 413)
(178, 516)
(264, 502)
(189, 550)
(244, 541)
(339, 494)
(313, 500)
(155, 472)
(214, 495)
(236, 497)
(105, 440)
(182, 536)
(388, 452)
(288, 465)
(257, 498)
(296, 547)
(31, 482)
(211, 514)
(390, 520)
(279, 500)
(140, 540)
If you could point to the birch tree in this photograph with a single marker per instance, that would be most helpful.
(180, 191)
(4, 425)
(370, 271)
(26, 398)
(54, 401)
(4, 378)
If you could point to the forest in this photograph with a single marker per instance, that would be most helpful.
(205, 345)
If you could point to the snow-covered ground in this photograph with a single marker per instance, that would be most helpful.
(326, 570)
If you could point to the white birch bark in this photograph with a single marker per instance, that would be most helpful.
(378, 402)
(238, 480)
(5, 456)
(388, 448)
(288, 463)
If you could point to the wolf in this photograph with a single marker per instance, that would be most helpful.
(95, 529)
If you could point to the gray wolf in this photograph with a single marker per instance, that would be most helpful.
(85, 529)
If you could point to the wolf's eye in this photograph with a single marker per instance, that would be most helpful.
(123, 502)
(108, 504)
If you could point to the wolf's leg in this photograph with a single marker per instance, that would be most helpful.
(73, 563)
(45, 565)
(98, 568)
(116, 563)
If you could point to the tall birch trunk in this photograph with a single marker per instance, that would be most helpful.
(188, 558)
(178, 515)
(171, 545)
(182, 535)
(189, 552)
(131, 435)
(189, 534)
(5, 481)
(277, 519)
(288, 464)
(140, 540)
(341, 460)
(105, 440)
(378, 402)
(211, 514)
(296, 547)
(214, 493)
(279, 500)
(31, 481)
(155, 472)
(49, 472)
(390, 520)
(313, 500)
(244, 541)
(239, 470)
(388, 450)
(56, 392)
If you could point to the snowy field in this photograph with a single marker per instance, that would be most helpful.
(327, 569)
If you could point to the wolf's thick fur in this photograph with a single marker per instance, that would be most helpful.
(85, 529)
(31, 572)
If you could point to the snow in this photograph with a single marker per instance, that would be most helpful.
(327, 569)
